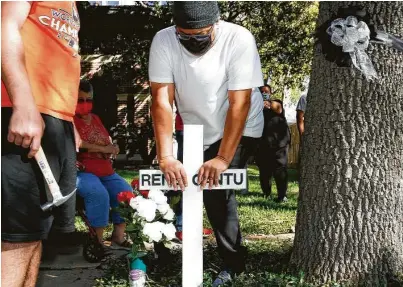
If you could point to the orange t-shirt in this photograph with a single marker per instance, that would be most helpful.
(50, 37)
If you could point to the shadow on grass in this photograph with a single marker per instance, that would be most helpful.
(267, 265)
(263, 257)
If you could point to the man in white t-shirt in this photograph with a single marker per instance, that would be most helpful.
(210, 68)
(301, 106)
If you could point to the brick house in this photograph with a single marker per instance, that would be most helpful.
(121, 105)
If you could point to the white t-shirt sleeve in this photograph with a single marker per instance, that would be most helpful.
(301, 106)
(159, 67)
(245, 71)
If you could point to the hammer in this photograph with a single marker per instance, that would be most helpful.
(55, 197)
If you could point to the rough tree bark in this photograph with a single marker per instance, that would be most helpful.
(350, 210)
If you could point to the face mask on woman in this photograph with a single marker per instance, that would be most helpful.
(84, 107)
(266, 96)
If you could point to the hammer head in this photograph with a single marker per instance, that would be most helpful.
(57, 201)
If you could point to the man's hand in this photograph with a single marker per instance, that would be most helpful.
(26, 124)
(116, 152)
(77, 139)
(174, 172)
(211, 171)
(117, 149)
(26, 129)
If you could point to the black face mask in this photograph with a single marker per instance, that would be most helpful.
(195, 46)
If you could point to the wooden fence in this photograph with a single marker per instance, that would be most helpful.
(293, 152)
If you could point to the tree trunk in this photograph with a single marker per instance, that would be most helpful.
(350, 210)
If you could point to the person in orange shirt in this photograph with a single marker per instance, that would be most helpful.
(40, 71)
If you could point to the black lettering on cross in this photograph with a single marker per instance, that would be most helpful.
(240, 179)
(146, 178)
(228, 175)
(156, 180)
(220, 179)
(194, 179)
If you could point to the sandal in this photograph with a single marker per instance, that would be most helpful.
(125, 245)
(95, 252)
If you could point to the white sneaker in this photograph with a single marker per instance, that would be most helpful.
(222, 279)
(137, 278)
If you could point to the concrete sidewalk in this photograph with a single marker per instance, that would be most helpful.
(68, 278)
(72, 270)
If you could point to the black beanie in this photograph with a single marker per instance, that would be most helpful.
(195, 14)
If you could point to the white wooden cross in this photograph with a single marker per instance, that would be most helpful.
(192, 243)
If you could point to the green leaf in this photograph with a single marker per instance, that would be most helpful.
(174, 200)
(168, 244)
(131, 227)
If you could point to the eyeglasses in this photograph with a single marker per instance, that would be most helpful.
(88, 100)
(204, 37)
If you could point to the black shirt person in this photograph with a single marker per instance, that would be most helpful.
(273, 150)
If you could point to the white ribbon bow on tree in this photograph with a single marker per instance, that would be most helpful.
(353, 37)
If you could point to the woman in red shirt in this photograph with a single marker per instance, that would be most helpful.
(98, 183)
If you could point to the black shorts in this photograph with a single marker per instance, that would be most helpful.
(23, 185)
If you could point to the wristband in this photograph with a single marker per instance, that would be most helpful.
(223, 159)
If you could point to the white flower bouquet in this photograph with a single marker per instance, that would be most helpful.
(149, 219)
(148, 216)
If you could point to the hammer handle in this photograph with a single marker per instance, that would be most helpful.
(47, 173)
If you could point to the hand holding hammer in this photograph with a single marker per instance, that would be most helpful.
(55, 198)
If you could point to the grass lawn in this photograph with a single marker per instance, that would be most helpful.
(259, 215)
(267, 260)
